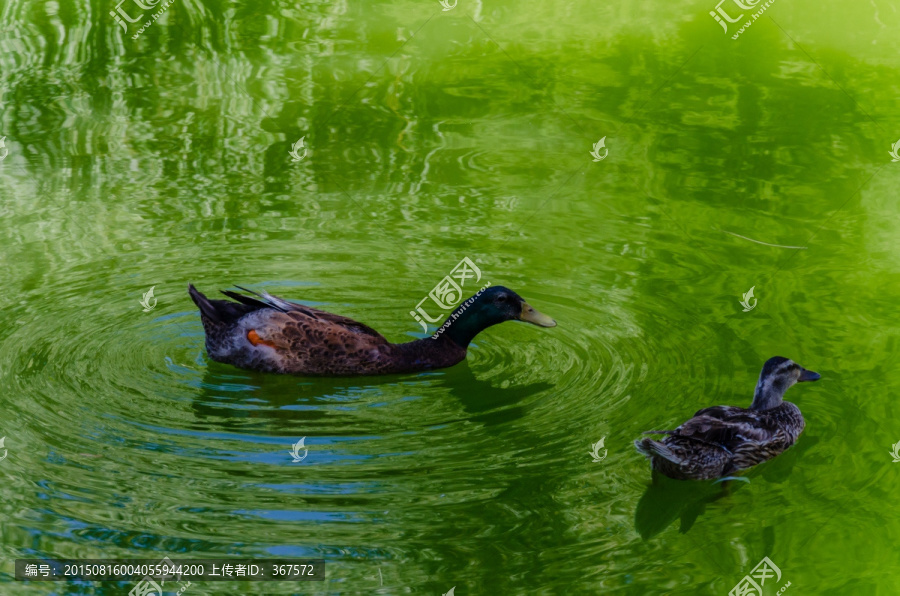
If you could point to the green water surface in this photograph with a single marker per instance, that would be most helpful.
(431, 135)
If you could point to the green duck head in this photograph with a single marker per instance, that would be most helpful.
(488, 307)
(777, 376)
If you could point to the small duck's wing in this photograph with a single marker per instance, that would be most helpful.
(727, 426)
(721, 412)
(750, 453)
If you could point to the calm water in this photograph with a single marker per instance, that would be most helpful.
(431, 136)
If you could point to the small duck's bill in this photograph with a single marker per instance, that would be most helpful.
(808, 375)
(530, 315)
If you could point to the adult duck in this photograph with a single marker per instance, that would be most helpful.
(268, 334)
(721, 440)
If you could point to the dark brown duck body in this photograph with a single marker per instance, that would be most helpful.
(723, 440)
(268, 334)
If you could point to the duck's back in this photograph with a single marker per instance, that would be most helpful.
(269, 334)
(748, 436)
(272, 335)
(311, 344)
(731, 426)
(721, 440)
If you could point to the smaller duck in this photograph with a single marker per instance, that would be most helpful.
(722, 440)
(268, 334)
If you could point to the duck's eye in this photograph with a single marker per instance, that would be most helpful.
(501, 298)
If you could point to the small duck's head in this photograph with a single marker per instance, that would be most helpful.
(492, 305)
(777, 376)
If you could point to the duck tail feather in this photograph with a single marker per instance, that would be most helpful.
(257, 304)
(207, 308)
(278, 302)
(270, 300)
(218, 311)
(248, 290)
(652, 448)
(642, 449)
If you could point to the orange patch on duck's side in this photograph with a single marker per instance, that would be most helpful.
(254, 338)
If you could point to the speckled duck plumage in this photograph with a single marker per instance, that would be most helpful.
(722, 440)
(268, 334)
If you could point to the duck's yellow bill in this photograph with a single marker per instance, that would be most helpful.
(529, 315)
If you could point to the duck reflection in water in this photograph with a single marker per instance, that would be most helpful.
(667, 499)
